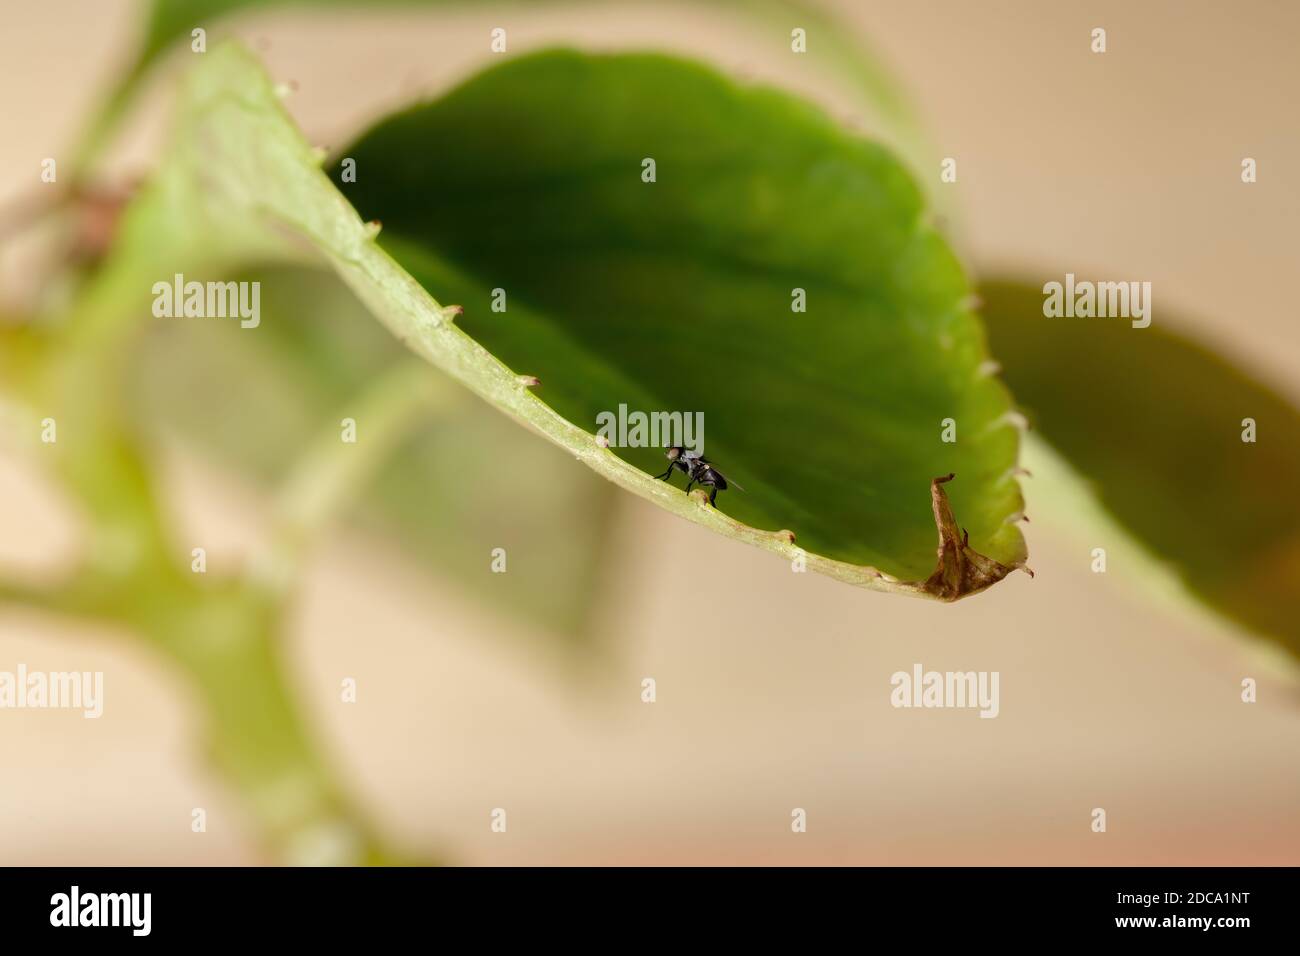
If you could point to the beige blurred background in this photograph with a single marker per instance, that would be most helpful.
(777, 693)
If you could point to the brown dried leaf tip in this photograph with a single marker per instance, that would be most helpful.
(961, 570)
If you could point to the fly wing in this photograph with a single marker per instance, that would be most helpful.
(724, 481)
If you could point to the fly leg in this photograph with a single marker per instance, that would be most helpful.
(713, 494)
(688, 485)
(666, 476)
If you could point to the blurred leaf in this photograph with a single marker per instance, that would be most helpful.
(834, 42)
(1154, 421)
(676, 295)
(167, 22)
(444, 495)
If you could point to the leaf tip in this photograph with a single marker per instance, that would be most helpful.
(960, 569)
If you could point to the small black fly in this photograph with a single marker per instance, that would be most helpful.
(698, 469)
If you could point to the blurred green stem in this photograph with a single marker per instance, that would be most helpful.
(223, 634)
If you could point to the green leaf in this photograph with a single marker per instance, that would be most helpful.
(1155, 423)
(831, 419)
(675, 295)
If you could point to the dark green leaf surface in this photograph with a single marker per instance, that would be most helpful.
(676, 295)
(1154, 421)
